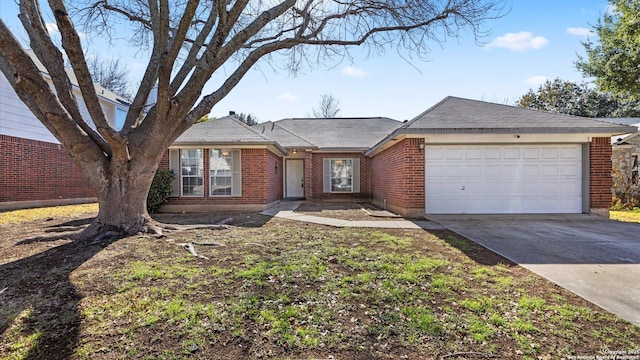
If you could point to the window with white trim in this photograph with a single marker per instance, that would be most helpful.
(191, 172)
(221, 172)
(341, 175)
(225, 177)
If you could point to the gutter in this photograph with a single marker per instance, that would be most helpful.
(604, 131)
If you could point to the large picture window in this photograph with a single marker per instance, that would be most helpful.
(221, 172)
(341, 175)
(191, 172)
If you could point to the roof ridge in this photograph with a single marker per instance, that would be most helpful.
(245, 125)
(292, 133)
(338, 118)
(408, 123)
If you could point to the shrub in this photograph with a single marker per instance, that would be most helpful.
(160, 189)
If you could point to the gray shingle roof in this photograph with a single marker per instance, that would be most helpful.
(334, 134)
(283, 136)
(456, 115)
(224, 131)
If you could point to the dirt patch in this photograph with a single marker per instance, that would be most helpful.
(345, 211)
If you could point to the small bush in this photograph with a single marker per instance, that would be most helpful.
(160, 189)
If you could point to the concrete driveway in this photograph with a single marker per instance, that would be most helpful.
(595, 258)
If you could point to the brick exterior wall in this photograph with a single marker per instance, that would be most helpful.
(274, 172)
(601, 182)
(313, 177)
(39, 171)
(397, 175)
(261, 182)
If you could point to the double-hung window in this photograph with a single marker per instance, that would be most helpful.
(341, 175)
(224, 168)
(191, 172)
(221, 172)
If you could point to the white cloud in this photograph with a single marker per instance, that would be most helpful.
(52, 28)
(536, 80)
(520, 41)
(579, 31)
(288, 97)
(354, 72)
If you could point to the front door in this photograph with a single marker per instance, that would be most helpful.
(295, 178)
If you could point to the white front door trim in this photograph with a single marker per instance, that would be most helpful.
(294, 178)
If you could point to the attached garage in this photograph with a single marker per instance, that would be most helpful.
(466, 156)
(503, 179)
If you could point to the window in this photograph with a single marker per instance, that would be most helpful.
(341, 175)
(224, 168)
(191, 171)
(121, 115)
(221, 172)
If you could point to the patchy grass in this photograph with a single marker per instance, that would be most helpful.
(26, 215)
(626, 215)
(287, 290)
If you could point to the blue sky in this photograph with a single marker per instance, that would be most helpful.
(536, 40)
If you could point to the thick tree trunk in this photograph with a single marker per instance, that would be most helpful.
(122, 198)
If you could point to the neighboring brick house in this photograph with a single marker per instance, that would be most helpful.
(35, 170)
(460, 156)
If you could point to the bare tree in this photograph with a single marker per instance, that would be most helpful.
(327, 108)
(188, 41)
(249, 119)
(111, 74)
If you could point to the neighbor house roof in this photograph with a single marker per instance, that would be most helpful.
(355, 134)
(100, 90)
(226, 131)
(455, 115)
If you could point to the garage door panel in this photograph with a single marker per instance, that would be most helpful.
(454, 154)
(570, 170)
(455, 170)
(550, 153)
(513, 153)
(474, 171)
(570, 153)
(503, 179)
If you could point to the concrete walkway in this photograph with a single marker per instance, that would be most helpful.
(286, 210)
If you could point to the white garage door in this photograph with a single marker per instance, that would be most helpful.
(503, 179)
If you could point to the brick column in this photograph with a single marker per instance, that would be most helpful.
(600, 169)
(308, 175)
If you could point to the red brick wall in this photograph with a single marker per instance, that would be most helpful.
(261, 182)
(601, 181)
(274, 172)
(314, 177)
(397, 175)
(35, 170)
